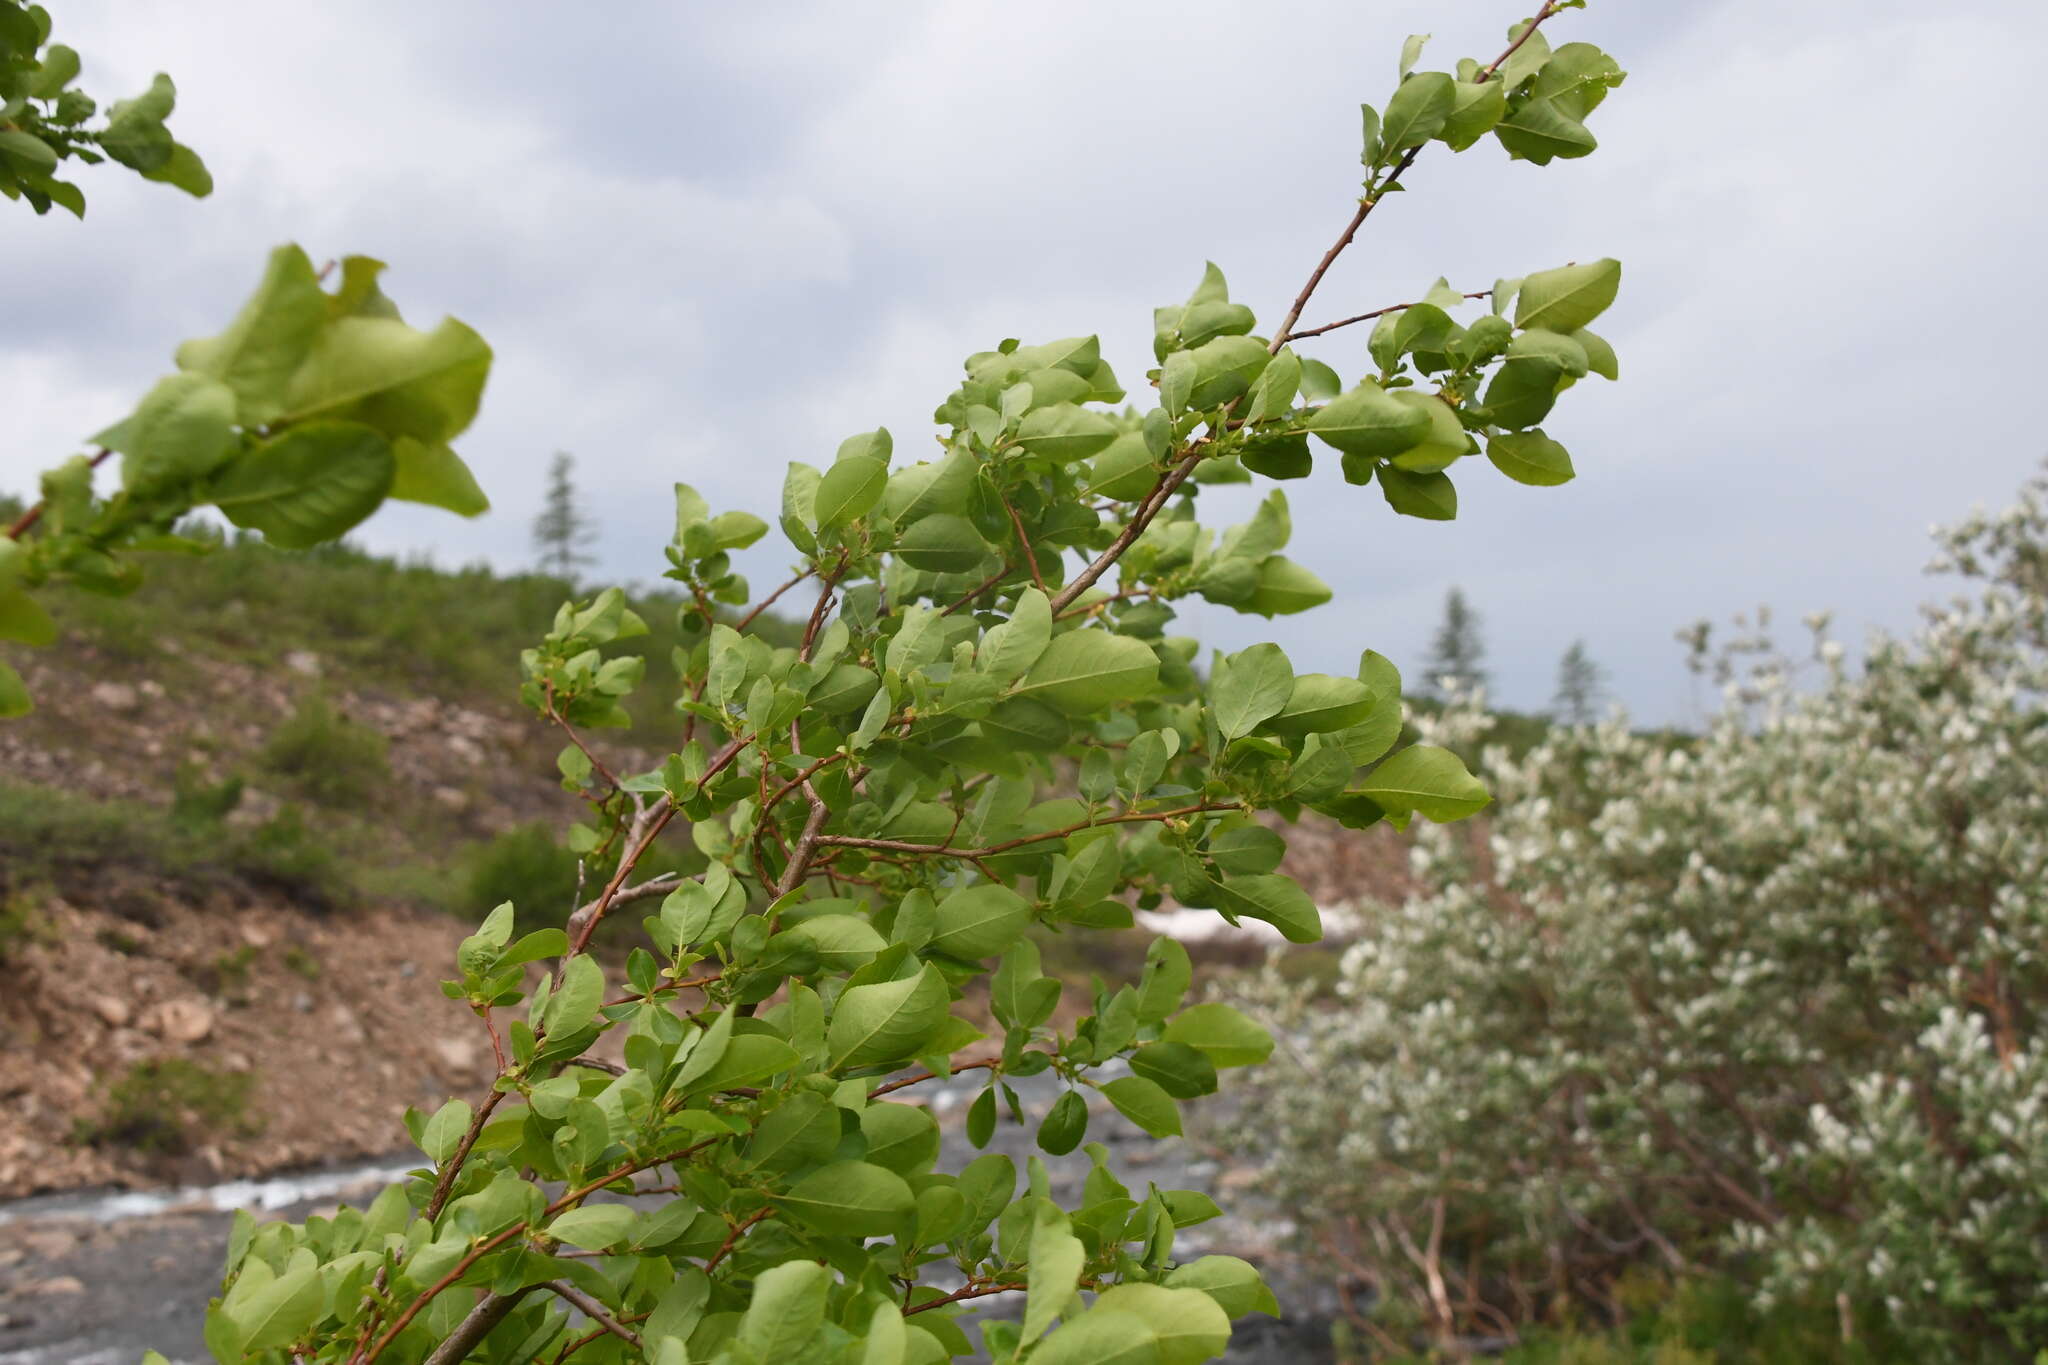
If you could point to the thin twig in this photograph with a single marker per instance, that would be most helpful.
(1375, 313)
(595, 1311)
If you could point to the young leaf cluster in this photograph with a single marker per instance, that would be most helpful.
(45, 121)
(298, 420)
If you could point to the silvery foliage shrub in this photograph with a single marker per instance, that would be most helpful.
(1770, 1002)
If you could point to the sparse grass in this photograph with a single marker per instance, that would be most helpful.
(48, 835)
(326, 757)
(406, 625)
(165, 1107)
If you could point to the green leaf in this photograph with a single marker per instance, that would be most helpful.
(1475, 109)
(436, 476)
(1448, 441)
(1417, 111)
(28, 151)
(1085, 671)
(1568, 298)
(942, 543)
(1368, 422)
(887, 1021)
(1600, 357)
(1433, 497)
(975, 922)
(1054, 1272)
(1411, 50)
(312, 484)
(1318, 703)
(269, 339)
(1529, 457)
(1176, 1068)
(1249, 687)
(1285, 587)
(183, 170)
(1065, 1124)
(1065, 432)
(900, 1137)
(396, 378)
(24, 620)
(1234, 1284)
(277, 1311)
(849, 488)
(14, 698)
(867, 445)
(183, 429)
(135, 134)
(840, 942)
(1101, 1337)
(594, 1227)
(1276, 899)
(1145, 1104)
(786, 1311)
(849, 1199)
(1225, 369)
(1191, 1326)
(1009, 650)
(1427, 780)
(1125, 470)
(748, 1059)
(1226, 1036)
(574, 1003)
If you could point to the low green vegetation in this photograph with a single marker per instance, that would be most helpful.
(168, 1106)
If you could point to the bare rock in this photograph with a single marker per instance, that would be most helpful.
(112, 1009)
(56, 1284)
(117, 697)
(345, 1026)
(459, 1055)
(304, 662)
(452, 799)
(187, 1020)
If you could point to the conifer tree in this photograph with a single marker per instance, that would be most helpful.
(1456, 651)
(563, 530)
(1581, 686)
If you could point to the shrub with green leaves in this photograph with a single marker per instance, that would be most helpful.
(298, 421)
(1772, 1002)
(985, 726)
(45, 120)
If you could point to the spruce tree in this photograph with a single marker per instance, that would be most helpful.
(562, 530)
(1456, 651)
(1581, 685)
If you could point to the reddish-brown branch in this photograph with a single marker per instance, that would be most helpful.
(1030, 555)
(1129, 818)
(732, 1238)
(1368, 317)
(769, 600)
(972, 1291)
(1379, 190)
(985, 1064)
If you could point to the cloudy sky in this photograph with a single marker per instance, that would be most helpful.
(708, 240)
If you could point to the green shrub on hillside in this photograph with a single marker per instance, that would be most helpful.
(326, 756)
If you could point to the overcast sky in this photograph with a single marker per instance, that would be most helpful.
(708, 240)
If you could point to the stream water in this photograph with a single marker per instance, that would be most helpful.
(95, 1277)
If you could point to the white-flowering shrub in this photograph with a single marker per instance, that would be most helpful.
(1769, 1003)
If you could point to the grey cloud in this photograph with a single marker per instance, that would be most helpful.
(708, 241)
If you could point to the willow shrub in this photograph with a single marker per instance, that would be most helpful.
(1771, 1005)
(985, 725)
